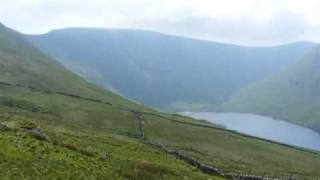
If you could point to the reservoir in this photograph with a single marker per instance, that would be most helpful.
(263, 127)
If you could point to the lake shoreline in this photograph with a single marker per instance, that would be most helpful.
(262, 127)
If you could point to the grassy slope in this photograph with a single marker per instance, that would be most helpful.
(292, 95)
(232, 152)
(228, 151)
(73, 122)
(167, 72)
(21, 63)
(81, 154)
(88, 139)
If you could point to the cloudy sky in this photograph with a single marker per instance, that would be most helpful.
(247, 22)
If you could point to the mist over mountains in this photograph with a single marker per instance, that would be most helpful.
(167, 72)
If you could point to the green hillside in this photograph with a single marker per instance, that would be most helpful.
(48, 131)
(54, 125)
(167, 72)
(293, 95)
(68, 154)
(21, 63)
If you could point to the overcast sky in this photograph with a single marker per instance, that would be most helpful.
(247, 22)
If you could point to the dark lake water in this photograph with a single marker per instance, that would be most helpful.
(264, 127)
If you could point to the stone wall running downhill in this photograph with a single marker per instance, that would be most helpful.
(178, 154)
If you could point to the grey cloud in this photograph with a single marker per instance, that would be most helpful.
(281, 28)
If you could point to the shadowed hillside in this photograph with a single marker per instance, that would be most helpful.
(167, 72)
(291, 95)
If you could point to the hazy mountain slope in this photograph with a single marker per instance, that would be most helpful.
(293, 95)
(165, 71)
(21, 63)
(49, 130)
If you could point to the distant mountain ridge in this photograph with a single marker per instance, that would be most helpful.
(168, 72)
